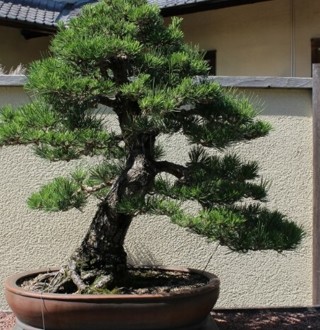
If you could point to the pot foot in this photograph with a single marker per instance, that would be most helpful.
(21, 326)
(208, 324)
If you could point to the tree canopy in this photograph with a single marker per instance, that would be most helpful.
(121, 55)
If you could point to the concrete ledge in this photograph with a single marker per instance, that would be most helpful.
(226, 81)
(12, 80)
(263, 82)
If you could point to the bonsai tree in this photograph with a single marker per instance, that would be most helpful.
(120, 54)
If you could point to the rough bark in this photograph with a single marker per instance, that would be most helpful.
(101, 261)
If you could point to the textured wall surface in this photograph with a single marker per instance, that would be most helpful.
(258, 278)
(31, 239)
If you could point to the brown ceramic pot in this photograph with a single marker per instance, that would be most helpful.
(180, 311)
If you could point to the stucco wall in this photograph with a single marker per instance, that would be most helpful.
(259, 278)
(270, 38)
(31, 239)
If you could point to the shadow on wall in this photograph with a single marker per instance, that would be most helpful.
(139, 255)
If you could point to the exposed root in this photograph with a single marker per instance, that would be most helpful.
(103, 281)
(69, 280)
(76, 278)
(137, 281)
(40, 283)
(58, 282)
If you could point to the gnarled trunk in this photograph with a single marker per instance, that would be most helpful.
(102, 251)
(101, 260)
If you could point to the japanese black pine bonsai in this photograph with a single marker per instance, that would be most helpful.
(119, 54)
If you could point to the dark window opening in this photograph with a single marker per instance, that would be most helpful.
(315, 50)
(210, 57)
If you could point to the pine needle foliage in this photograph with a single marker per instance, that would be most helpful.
(120, 54)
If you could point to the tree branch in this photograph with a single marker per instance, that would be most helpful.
(106, 101)
(90, 190)
(177, 170)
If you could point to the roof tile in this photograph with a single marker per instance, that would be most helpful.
(32, 11)
(49, 12)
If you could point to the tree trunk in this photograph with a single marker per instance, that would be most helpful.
(102, 251)
(101, 258)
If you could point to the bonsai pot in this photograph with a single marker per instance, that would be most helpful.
(179, 311)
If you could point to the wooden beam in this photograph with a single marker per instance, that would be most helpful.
(30, 34)
(316, 183)
(198, 6)
(41, 28)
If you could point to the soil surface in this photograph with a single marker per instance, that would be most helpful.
(138, 281)
(263, 319)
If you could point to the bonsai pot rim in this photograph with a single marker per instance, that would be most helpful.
(186, 310)
(12, 286)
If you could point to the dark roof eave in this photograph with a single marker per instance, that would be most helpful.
(165, 11)
(204, 6)
(47, 29)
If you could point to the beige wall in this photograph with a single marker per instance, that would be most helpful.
(270, 38)
(15, 49)
(31, 239)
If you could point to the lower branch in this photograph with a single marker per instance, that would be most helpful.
(177, 170)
